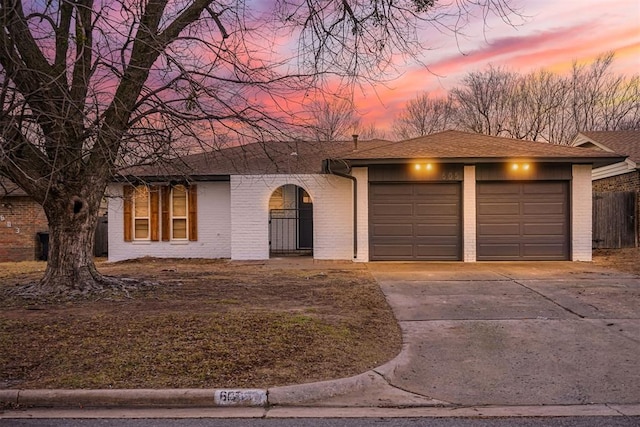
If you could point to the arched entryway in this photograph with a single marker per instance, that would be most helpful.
(290, 221)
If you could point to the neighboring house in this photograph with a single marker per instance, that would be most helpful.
(451, 196)
(616, 188)
(24, 229)
(21, 219)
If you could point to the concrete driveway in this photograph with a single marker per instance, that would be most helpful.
(534, 333)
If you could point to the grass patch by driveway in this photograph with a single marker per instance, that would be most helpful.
(210, 323)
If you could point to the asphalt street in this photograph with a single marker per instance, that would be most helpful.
(335, 422)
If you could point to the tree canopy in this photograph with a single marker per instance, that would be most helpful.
(90, 86)
(537, 106)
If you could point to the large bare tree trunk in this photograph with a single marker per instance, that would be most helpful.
(72, 219)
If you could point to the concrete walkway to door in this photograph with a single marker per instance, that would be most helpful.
(534, 333)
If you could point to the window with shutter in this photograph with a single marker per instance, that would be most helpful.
(154, 211)
(179, 210)
(141, 213)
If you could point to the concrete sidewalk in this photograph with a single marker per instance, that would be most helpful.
(488, 335)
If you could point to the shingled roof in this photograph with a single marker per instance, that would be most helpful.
(305, 157)
(463, 147)
(9, 189)
(625, 142)
(276, 157)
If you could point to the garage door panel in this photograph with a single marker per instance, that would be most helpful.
(497, 188)
(500, 251)
(546, 229)
(436, 230)
(389, 190)
(499, 209)
(436, 252)
(400, 230)
(522, 220)
(435, 209)
(430, 230)
(441, 190)
(543, 208)
(540, 251)
(386, 209)
(544, 188)
(499, 229)
(393, 251)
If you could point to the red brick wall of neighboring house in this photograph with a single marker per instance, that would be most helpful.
(625, 182)
(20, 220)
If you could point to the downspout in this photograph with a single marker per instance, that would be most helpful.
(327, 168)
(355, 205)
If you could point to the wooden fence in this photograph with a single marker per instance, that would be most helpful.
(615, 220)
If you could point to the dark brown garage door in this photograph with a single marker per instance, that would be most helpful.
(414, 221)
(522, 220)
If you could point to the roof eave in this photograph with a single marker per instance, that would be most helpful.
(595, 161)
(169, 178)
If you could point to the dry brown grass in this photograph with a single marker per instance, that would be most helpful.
(627, 260)
(209, 324)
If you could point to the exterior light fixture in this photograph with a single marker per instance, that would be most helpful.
(520, 167)
(423, 166)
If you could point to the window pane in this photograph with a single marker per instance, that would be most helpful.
(276, 201)
(179, 228)
(141, 201)
(142, 229)
(179, 201)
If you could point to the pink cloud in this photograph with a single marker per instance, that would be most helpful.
(554, 49)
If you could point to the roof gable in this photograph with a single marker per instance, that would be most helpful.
(625, 142)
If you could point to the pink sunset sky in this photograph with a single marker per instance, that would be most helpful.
(554, 34)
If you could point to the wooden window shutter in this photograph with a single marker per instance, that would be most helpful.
(154, 201)
(128, 202)
(193, 213)
(165, 192)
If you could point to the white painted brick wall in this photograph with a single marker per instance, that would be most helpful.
(332, 214)
(469, 214)
(581, 213)
(214, 228)
(362, 177)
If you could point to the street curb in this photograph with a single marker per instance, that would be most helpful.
(134, 398)
(299, 394)
(281, 396)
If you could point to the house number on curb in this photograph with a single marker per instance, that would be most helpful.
(242, 397)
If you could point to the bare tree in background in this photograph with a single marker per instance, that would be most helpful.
(424, 115)
(600, 100)
(89, 86)
(333, 120)
(484, 101)
(369, 132)
(542, 106)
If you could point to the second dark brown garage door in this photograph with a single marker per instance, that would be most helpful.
(415, 221)
(522, 220)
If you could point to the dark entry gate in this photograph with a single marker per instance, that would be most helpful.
(291, 231)
(614, 220)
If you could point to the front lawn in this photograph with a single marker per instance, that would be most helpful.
(209, 323)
